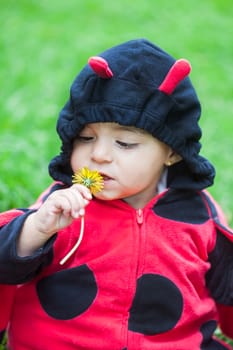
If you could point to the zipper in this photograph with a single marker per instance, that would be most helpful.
(139, 220)
(138, 251)
(139, 216)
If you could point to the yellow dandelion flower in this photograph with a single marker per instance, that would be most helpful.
(89, 178)
(94, 181)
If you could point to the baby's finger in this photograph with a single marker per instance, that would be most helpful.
(77, 201)
(86, 193)
(61, 204)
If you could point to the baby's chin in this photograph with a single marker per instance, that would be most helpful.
(106, 196)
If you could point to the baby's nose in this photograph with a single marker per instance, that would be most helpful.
(102, 152)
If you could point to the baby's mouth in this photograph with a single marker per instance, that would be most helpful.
(106, 177)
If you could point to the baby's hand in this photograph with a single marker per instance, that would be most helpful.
(61, 208)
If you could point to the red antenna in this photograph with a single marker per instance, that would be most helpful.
(180, 69)
(100, 67)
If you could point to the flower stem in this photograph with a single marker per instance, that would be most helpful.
(75, 247)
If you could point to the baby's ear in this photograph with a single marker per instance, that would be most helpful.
(173, 158)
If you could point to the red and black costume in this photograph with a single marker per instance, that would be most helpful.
(141, 279)
(149, 279)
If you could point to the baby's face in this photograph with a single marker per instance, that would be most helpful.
(130, 160)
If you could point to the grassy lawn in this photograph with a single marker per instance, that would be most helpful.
(43, 45)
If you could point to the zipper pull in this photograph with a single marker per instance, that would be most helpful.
(139, 216)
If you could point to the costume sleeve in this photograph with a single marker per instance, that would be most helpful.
(15, 269)
(219, 278)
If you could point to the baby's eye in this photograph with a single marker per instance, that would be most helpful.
(81, 138)
(126, 144)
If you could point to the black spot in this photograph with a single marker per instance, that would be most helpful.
(67, 293)
(157, 306)
(180, 205)
(208, 343)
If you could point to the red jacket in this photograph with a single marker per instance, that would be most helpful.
(140, 280)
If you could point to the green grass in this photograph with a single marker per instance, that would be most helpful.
(43, 45)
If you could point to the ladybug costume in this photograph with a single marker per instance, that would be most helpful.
(154, 278)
